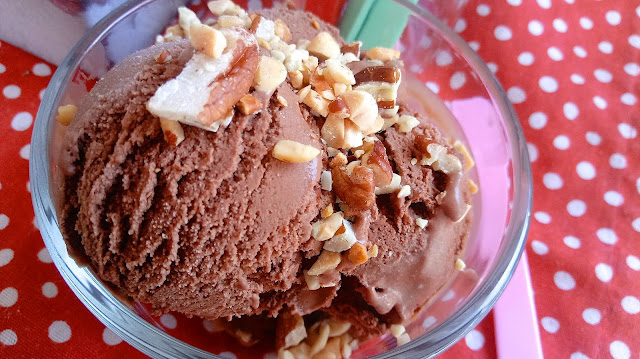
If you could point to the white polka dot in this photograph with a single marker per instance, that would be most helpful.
(551, 325)
(21, 121)
(460, 25)
(618, 161)
(448, 296)
(571, 242)
(564, 280)
(613, 17)
(6, 255)
(416, 68)
(41, 93)
(548, 84)
(227, 355)
(429, 321)
(4, 221)
(537, 120)
(41, 69)
(631, 304)
(474, 45)
(516, 95)
(169, 321)
(619, 350)
(632, 69)
(536, 28)
(542, 217)
(11, 91)
(638, 185)
(433, 87)
(580, 51)
(555, 54)
(483, 10)
(8, 337)
(576, 208)
(607, 235)
(552, 181)
(59, 331)
(514, 2)
(585, 170)
(603, 76)
(8, 297)
(561, 142)
(628, 99)
(110, 338)
(593, 138)
(539, 248)
(637, 10)
(24, 152)
(49, 290)
(600, 102)
(605, 47)
(578, 355)
(577, 79)
(604, 272)
(633, 262)
(586, 23)
(634, 40)
(43, 256)
(443, 58)
(613, 198)
(591, 316)
(545, 4)
(457, 80)
(533, 152)
(570, 110)
(493, 67)
(474, 340)
(627, 131)
(560, 25)
(526, 58)
(2, 68)
(502, 33)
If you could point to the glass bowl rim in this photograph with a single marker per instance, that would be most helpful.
(157, 343)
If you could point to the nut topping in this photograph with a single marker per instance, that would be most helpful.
(327, 227)
(378, 161)
(66, 114)
(383, 54)
(326, 261)
(407, 123)
(294, 152)
(392, 187)
(186, 18)
(357, 189)
(324, 46)
(225, 7)
(343, 240)
(249, 105)
(207, 88)
(388, 74)
(352, 48)
(269, 75)
(290, 330)
(207, 39)
(357, 254)
(172, 131)
(282, 30)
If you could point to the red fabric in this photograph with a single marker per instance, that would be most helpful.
(584, 241)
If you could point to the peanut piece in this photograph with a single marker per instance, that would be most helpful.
(172, 130)
(249, 105)
(282, 30)
(357, 254)
(207, 39)
(66, 114)
(324, 45)
(326, 261)
(383, 54)
(270, 74)
(294, 152)
(327, 227)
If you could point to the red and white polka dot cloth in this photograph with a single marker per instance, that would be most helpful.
(572, 70)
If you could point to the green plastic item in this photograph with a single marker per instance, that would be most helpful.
(374, 22)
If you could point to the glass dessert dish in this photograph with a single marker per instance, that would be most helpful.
(484, 120)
